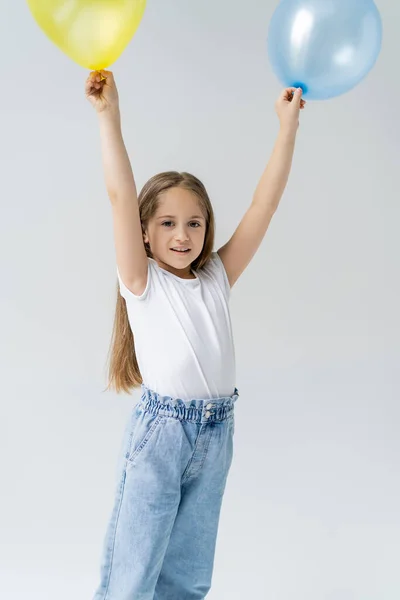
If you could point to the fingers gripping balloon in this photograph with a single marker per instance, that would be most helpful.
(94, 33)
(325, 47)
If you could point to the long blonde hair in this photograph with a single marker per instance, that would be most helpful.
(123, 369)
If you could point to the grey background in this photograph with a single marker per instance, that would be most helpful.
(312, 507)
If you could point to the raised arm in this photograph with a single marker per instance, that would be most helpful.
(237, 253)
(131, 256)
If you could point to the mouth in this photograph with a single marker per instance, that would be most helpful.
(180, 250)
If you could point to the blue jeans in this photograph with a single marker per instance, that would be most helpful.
(160, 542)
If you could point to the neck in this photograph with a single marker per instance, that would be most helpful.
(182, 273)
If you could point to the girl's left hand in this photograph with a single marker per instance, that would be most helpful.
(288, 107)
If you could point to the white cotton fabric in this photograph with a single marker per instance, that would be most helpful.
(183, 333)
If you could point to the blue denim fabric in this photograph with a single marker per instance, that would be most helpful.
(160, 542)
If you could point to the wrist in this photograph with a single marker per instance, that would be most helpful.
(110, 114)
(288, 132)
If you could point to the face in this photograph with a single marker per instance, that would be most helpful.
(177, 230)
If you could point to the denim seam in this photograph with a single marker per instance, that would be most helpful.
(114, 536)
(211, 428)
(185, 476)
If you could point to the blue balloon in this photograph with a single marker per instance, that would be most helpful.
(326, 47)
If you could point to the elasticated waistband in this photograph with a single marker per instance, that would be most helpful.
(195, 410)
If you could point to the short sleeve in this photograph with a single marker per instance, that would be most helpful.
(126, 292)
(216, 268)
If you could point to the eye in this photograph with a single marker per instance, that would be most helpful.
(193, 224)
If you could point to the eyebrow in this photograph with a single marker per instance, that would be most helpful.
(173, 217)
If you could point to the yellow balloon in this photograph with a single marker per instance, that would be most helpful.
(94, 33)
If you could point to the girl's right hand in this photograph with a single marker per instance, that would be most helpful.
(101, 91)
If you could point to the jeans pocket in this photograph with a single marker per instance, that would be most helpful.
(146, 424)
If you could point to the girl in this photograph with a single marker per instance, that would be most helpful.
(172, 336)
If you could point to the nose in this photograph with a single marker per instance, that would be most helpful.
(181, 235)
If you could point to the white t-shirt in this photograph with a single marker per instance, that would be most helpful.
(183, 333)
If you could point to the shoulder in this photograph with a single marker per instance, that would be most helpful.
(215, 269)
(138, 290)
